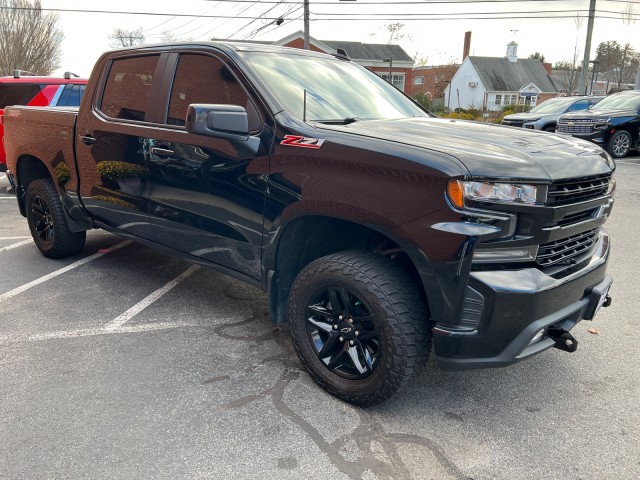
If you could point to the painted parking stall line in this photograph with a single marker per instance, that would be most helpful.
(15, 245)
(92, 332)
(27, 286)
(119, 321)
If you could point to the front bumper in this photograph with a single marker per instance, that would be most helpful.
(517, 305)
(597, 137)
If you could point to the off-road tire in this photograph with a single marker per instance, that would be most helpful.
(398, 316)
(619, 144)
(47, 222)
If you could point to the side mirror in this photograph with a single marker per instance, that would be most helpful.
(220, 121)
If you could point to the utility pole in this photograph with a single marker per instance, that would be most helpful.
(306, 24)
(587, 49)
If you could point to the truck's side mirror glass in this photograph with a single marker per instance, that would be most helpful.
(220, 121)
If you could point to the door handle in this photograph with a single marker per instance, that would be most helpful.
(162, 152)
(88, 139)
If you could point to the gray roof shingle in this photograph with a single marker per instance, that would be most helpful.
(370, 51)
(500, 75)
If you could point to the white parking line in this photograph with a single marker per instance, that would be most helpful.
(15, 238)
(91, 332)
(27, 286)
(14, 245)
(118, 322)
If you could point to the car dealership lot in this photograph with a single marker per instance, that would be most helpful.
(176, 372)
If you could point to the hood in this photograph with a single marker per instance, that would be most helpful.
(593, 113)
(489, 150)
(527, 116)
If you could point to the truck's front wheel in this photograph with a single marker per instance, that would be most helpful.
(48, 224)
(359, 325)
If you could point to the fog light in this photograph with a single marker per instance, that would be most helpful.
(537, 337)
(513, 254)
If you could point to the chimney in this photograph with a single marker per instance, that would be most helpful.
(467, 45)
(512, 52)
(548, 68)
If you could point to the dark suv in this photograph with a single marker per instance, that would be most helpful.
(36, 91)
(545, 115)
(613, 123)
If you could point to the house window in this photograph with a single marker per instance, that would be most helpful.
(396, 80)
(498, 100)
(513, 100)
(419, 80)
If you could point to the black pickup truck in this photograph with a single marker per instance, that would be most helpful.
(377, 231)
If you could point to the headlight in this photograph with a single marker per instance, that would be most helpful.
(460, 191)
(532, 120)
(601, 123)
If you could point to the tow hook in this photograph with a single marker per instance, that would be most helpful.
(564, 340)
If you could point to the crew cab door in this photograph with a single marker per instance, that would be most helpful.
(110, 133)
(207, 193)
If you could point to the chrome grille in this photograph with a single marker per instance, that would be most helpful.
(575, 127)
(562, 251)
(513, 123)
(578, 190)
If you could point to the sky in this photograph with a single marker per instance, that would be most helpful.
(432, 30)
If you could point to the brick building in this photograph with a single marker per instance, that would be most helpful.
(432, 80)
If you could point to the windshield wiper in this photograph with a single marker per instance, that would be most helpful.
(340, 121)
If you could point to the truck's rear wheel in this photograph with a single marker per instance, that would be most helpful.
(359, 325)
(48, 224)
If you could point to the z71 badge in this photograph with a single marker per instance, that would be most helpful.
(302, 142)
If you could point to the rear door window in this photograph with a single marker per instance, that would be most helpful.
(18, 93)
(71, 95)
(126, 92)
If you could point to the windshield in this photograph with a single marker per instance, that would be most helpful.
(336, 90)
(618, 102)
(554, 105)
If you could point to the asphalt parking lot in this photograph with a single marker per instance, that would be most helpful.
(125, 363)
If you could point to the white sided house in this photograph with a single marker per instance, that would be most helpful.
(491, 83)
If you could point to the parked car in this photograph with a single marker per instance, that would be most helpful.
(613, 123)
(37, 91)
(545, 115)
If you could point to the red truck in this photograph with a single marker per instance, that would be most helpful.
(378, 231)
(37, 91)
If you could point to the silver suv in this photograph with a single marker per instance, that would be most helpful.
(545, 115)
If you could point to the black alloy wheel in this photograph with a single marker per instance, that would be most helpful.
(359, 325)
(42, 222)
(343, 332)
(47, 222)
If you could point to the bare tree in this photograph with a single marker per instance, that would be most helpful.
(618, 62)
(126, 38)
(565, 76)
(29, 39)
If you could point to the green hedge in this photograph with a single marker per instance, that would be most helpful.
(115, 170)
